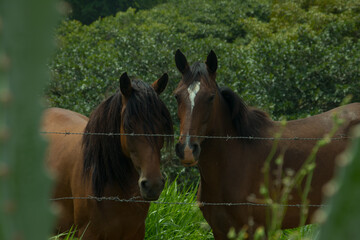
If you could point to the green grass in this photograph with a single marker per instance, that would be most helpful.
(176, 221)
(307, 232)
(66, 235)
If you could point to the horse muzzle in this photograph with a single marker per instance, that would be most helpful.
(188, 154)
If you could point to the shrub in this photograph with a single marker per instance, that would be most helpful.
(89, 11)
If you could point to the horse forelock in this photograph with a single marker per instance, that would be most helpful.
(144, 106)
(103, 156)
(140, 86)
(248, 122)
(197, 72)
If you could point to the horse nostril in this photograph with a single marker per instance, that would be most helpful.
(196, 149)
(147, 186)
(179, 150)
(144, 184)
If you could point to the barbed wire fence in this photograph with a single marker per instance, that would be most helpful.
(139, 200)
(338, 138)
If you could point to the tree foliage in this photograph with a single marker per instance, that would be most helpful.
(91, 10)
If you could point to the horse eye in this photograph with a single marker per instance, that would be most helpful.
(211, 98)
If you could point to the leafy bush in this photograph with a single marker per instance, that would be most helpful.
(291, 58)
(304, 60)
(89, 11)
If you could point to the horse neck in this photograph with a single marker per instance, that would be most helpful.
(222, 160)
(213, 150)
(220, 123)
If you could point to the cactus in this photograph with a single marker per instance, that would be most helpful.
(25, 46)
(343, 216)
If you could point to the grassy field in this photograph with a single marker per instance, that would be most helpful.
(185, 221)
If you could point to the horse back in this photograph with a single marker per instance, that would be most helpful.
(318, 125)
(62, 146)
(64, 157)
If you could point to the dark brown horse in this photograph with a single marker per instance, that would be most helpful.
(231, 170)
(98, 165)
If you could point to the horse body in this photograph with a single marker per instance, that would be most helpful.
(231, 170)
(117, 166)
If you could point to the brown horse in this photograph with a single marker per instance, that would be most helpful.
(97, 165)
(231, 170)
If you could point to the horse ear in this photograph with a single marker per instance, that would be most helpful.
(125, 85)
(211, 61)
(181, 62)
(160, 84)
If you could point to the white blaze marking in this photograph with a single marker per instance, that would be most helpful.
(193, 89)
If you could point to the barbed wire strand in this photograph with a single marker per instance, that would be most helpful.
(340, 137)
(134, 200)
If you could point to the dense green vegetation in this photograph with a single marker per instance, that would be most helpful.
(91, 10)
(290, 58)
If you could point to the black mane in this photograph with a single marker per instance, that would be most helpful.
(248, 122)
(103, 156)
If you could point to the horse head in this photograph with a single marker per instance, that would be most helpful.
(143, 114)
(197, 97)
(137, 113)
